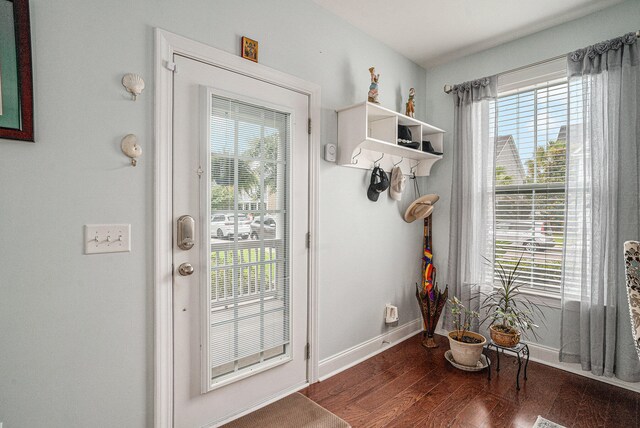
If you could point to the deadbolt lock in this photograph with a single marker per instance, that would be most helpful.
(186, 231)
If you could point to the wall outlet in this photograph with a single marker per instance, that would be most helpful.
(390, 313)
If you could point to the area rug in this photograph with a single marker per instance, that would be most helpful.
(545, 423)
(293, 411)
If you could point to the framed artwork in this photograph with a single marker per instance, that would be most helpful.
(249, 49)
(16, 82)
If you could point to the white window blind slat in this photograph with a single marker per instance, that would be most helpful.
(530, 118)
(250, 304)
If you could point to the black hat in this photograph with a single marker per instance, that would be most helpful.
(427, 147)
(404, 134)
(411, 145)
(379, 183)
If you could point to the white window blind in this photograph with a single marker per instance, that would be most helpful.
(249, 287)
(531, 122)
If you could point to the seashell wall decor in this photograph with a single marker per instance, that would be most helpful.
(131, 148)
(134, 84)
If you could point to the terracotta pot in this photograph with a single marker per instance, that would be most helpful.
(508, 340)
(466, 354)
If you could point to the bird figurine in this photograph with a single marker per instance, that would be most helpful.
(373, 88)
(410, 111)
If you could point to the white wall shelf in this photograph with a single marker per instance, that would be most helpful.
(366, 131)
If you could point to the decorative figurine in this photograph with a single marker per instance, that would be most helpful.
(431, 298)
(410, 106)
(373, 88)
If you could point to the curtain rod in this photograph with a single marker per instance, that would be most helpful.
(448, 88)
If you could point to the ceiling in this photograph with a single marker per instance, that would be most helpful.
(432, 32)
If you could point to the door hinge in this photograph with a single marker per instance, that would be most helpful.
(200, 171)
(307, 351)
(308, 240)
(309, 127)
(171, 66)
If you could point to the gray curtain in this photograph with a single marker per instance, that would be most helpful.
(471, 228)
(603, 206)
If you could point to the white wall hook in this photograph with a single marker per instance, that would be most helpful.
(134, 84)
(131, 148)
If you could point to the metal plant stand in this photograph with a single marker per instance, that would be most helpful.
(521, 350)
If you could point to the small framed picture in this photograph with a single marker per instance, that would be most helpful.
(249, 49)
(16, 78)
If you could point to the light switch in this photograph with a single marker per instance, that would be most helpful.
(107, 238)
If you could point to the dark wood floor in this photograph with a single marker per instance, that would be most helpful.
(409, 386)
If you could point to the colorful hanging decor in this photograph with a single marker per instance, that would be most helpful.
(430, 298)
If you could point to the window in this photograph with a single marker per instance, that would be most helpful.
(530, 122)
(249, 264)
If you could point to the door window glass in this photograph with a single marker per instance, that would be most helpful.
(249, 283)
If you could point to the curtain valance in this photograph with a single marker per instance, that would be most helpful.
(475, 90)
(603, 56)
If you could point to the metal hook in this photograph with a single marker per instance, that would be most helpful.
(353, 158)
(401, 160)
(413, 170)
(375, 162)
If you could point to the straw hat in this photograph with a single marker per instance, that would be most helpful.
(420, 208)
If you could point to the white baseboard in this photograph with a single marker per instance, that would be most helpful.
(350, 357)
(551, 357)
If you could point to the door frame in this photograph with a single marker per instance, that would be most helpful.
(166, 45)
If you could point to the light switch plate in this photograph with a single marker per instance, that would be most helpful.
(107, 238)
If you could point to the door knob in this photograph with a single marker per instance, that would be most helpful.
(185, 269)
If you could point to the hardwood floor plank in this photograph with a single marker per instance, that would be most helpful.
(349, 395)
(359, 373)
(622, 411)
(375, 398)
(593, 410)
(446, 412)
(477, 411)
(565, 407)
(394, 408)
(353, 414)
(410, 386)
(377, 382)
(503, 415)
(427, 402)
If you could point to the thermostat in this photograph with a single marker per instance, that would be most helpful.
(330, 152)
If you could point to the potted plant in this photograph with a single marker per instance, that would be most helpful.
(466, 346)
(509, 311)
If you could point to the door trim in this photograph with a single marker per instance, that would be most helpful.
(166, 45)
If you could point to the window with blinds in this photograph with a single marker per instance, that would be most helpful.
(248, 293)
(530, 119)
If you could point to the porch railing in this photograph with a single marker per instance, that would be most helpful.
(245, 270)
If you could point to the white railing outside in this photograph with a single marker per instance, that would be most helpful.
(245, 270)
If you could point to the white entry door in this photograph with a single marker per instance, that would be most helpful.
(240, 161)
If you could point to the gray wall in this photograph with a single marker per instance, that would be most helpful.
(556, 41)
(76, 331)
